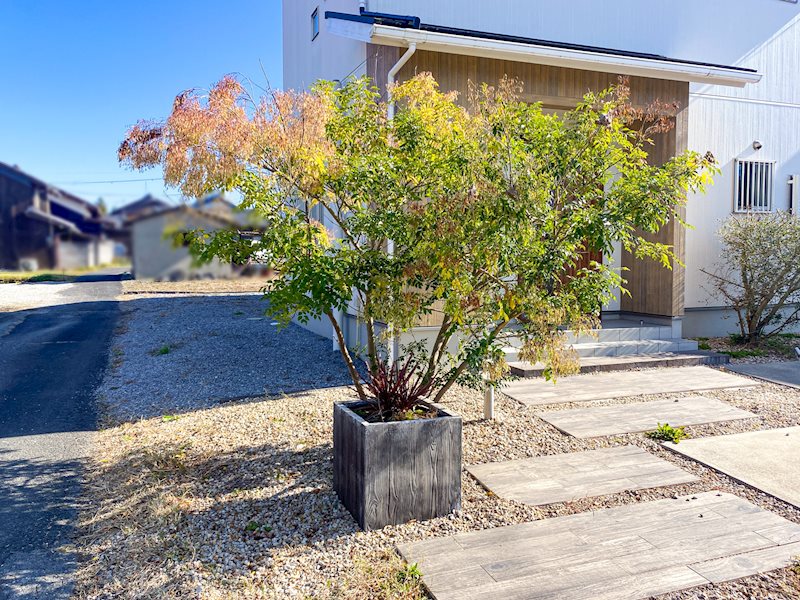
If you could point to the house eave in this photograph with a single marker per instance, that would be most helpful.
(574, 58)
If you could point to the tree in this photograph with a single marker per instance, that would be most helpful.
(101, 206)
(758, 273)
(478, 215)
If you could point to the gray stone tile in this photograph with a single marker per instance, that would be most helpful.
(598, 421)
(606, 554)
(749, 563)
(619, 384)
(565, 477)
(767, 460)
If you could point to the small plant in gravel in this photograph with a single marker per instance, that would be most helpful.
(666, 433)
(165, 349)
(474, 216)
(409, 574)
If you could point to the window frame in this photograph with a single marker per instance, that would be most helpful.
(315, 24)
(753, 187)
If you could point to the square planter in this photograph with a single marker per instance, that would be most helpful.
(391, 473)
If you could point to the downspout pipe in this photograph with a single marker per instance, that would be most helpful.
(412, 48)
(392, 351)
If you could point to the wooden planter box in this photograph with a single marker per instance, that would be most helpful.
(391, 473)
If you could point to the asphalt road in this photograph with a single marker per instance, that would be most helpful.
(51, 361)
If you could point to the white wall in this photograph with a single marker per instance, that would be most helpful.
(759, 34)
(326, 57)
(727, 121)
(75, 254)
(155, 257)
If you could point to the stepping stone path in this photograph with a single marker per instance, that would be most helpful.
(767, 460)
(619, 384)
(566, 477)
(631, 551)
(598, 421)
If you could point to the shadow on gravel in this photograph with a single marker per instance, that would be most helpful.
(178, 354)
(252, 501)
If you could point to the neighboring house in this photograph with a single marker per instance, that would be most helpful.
(155, 256)
(217, 204)
(146, 205)
(44, 227)
(730, 64)
(125, 215)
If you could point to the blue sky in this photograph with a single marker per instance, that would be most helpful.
(77, 73)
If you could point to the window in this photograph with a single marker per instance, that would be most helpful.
(753, 186)
(315, 23)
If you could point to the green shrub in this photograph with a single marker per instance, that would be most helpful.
(665, 433)
(742, 353)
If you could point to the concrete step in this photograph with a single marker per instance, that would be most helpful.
(596, 364)
(621, 334)
(621, 348)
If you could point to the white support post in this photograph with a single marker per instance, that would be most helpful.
(391, 351)
(488, 403)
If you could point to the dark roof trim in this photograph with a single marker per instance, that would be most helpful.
(408, 22)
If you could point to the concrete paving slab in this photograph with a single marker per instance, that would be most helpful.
(598, 421)
(619, 384)
(565, 477)
(785, 373)
(619, 552)
(768, 460)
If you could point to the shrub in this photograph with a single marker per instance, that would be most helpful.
(666, 433)
(758, 273)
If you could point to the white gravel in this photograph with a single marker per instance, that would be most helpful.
(236, 500)
(180, 353)
(174, 499)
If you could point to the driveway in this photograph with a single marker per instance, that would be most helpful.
(54, 346)
(784, 373)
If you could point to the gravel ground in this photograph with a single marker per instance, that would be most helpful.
(237, 501)
(198, 286)
(179, 353)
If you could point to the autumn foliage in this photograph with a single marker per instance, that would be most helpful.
(472, 212)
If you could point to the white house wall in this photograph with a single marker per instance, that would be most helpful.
(326, 57)
(759, 34)
(727, 121)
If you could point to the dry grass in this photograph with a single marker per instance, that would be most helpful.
(197, 286)
(232, 502)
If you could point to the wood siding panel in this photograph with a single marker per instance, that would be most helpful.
(654, 289)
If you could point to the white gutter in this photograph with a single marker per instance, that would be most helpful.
(561, 57)
(412, 48)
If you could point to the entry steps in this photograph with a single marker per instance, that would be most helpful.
(625, 363)
(622, 344)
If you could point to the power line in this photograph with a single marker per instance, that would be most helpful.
(104, 182)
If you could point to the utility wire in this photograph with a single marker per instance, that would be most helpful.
(108, 181)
